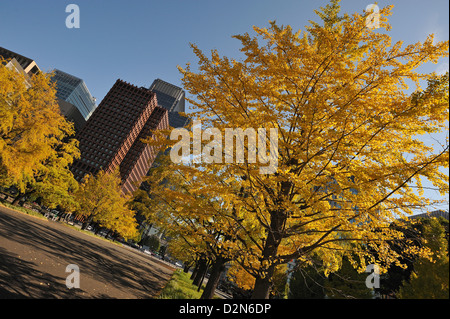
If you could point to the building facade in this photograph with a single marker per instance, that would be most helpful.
(433, 214)
(21, 64)
(72, 113)
(73, 90)
(112, 136)
(170, 97)
(140, 157)
(27, 65)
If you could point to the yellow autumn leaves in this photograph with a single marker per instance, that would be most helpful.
(31, 126)
(350, 160)
(101, 201)
(37, 147)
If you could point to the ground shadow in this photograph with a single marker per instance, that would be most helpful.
(125, 273)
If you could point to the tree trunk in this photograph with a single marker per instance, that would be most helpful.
(200, 271)
(17, 200)
(263, 282)
(213, 281)
(194, 272)
(263, 285)
(20, 196)
(199, 286)
(96, 228)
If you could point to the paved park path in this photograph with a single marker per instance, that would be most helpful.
(34, 254)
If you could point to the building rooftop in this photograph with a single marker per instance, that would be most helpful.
(28, 65)
(436, 213)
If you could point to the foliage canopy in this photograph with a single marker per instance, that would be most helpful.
(349, 157)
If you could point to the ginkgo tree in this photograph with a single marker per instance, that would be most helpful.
(36, 141)
(191, 219)
(101, 200)
(350, 160)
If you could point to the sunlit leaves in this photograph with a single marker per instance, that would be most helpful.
(350, 160)
(36, 141)
(101, 200)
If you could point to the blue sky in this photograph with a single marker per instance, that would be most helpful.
(138, 41)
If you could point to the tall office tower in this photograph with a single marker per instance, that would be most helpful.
(170, 97)
(112, 136)
(73, 90)
(23, 65)
(177, 120)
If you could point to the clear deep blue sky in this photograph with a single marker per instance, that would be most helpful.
(138, 41)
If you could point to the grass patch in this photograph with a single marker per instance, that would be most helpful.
(21, 209)
(180, 287)
(33, 213)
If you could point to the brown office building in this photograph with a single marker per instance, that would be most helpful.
(112, 136)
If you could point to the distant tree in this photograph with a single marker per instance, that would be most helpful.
(347, 283)
(101, 200)
(430, 278)
(152, 242)
(141, 204)
(307, 283)
(181, 249)
(279, 290)
(53, 182)
(392, 280)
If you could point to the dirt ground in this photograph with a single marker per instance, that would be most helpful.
(34, 254)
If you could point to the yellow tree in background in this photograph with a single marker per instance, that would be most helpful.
(101, 200)
(349, 157)
(35, 145)
(196, 223)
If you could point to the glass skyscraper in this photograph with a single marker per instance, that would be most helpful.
(170, 97)
(73, 90)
